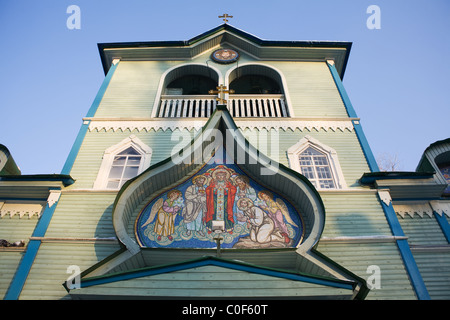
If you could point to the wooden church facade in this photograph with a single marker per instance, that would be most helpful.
(225, 166)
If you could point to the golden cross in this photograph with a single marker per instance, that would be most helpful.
(221, 90)
(225, 16)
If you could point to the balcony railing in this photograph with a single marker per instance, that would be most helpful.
(239, 105)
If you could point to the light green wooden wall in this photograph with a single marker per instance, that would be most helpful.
(77, 220)
(312, 89)
(87, 164)
(134, 86)
(357, 257)
(213, 281)
(435, 270)
(422, 230)
(13, 229)
(86, 213)
(9, 261)
(425, 236)
(49, 269)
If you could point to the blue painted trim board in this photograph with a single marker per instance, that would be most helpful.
(26, 263)
(352, 114)
(405, 251)
(85, 126)
(16, 286)
(215, 262)
(443, 223)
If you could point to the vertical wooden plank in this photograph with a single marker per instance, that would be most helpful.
(230, 109)
(191, 108)
(243, 109)
(272, 109)
(247, 107)
(208, 108)
(185, 107)
(174, 108)
(255, 111)
(161, 108)
(202, 108)
(180, 106)
(283, 107)
(266, 109)
(168, 106)
(197, 108)
(277, 108)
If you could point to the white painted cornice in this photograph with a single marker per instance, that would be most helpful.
(146, 125)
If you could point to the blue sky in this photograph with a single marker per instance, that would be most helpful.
(396, 78)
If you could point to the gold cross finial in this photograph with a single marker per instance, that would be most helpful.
(225, 16)
(221, 90)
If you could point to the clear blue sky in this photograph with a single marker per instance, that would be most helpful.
(397, 76)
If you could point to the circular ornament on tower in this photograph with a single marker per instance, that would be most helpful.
(225, 56)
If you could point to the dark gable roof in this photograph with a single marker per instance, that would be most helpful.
(183, 48)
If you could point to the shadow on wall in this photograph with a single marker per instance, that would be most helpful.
(106, 245)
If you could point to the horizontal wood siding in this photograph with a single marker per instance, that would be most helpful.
(134, 87)
(15, 228)
(88, 161)
(213, 282)
(312, 90)
(49, 270)
(87, 164)
(346, 144)
(431, 253)
(435, 270)
(353, 215)
(132, 90)
(395, 284)
(83, 216)
(9, 261)
(422, 230)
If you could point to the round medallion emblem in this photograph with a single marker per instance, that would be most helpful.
(225, 55)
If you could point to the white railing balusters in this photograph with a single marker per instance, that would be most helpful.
(283, 108)
(239, 105)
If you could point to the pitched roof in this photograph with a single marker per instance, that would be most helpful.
(258, 48)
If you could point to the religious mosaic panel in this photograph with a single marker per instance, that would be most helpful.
(446, 173)
(219, 200)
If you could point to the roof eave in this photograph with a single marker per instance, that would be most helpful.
(225, 27)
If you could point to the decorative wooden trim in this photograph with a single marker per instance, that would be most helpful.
(385, 196)
(242, 123)
(422, 208)
(13, 249)
(74, 240)
(362, 239)
(21, 208)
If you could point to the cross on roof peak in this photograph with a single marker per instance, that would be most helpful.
(225, 16)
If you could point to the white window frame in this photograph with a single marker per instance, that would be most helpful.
(108, 157)
(331, 154)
